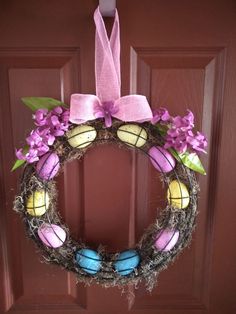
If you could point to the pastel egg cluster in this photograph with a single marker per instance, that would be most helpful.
(91, 262)
(127, 261)
(79, 137)
(136, 136)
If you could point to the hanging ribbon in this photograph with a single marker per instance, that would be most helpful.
(107, 103)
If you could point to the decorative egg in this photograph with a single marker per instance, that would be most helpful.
(48, 166)
(81, 136)
(37, 203)
(166, 239)
(52, 235)
(126, 262)
(88, 260)
(132, 135)
(161, 159)
(178, 195)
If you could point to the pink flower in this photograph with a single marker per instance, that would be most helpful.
(179, 135)
(160, 115)
(197, 142)
(185, 123)
(30, 157)
(58, 121)
(40, 117)
(50, 124)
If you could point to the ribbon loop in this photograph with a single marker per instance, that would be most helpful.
(133, 108)
(107, 59)
(82, 107)
(107, 103)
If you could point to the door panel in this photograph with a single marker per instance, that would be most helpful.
(180, 55)
(182, 79)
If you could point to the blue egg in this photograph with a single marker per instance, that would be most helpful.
(126, 262)
(88, 260)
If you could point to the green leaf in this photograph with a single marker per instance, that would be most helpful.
(18, 163)
(35, 103)
(190, 160)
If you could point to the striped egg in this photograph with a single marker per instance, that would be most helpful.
(88, 260)
(178, 195)
(161, 159)
(166, 239)
(126, 262)
(81, 136)
(37, 203)
(132, 135)
(52, 235)
(48, 166)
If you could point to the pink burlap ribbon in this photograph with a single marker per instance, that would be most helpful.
(107, 103)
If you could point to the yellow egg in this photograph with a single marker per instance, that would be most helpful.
(38, 203)
(132, 135)
(81, 136)
(178, 195)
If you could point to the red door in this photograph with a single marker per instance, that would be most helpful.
(180, 54)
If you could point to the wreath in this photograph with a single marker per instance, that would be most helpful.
(65, 133)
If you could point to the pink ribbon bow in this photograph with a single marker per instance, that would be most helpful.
(107, 103)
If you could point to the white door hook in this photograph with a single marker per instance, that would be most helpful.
(107, 7)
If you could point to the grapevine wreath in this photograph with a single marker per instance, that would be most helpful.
(63, 134)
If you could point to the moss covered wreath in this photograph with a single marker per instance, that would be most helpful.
(63, 134)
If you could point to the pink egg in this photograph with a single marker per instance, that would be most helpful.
(161, 159)
(48, 166)
(52, 235)
(166, 239)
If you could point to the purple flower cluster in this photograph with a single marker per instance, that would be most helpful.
(180, 135)
(50, 124)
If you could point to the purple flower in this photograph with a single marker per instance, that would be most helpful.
(50, 124)
(178, 143)
(58, 110)
(106, 111)
(34, 138)
(30, 157)
(38, 142)
(160, 115)
(19, 154)
(47, 137)
(181, 137)
(197, 142)
(40, 117)
(185, 123)
(56, 120)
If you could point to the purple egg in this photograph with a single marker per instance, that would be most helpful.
(48, 166)
(166, 239)
(52, 235)
(161, 159)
